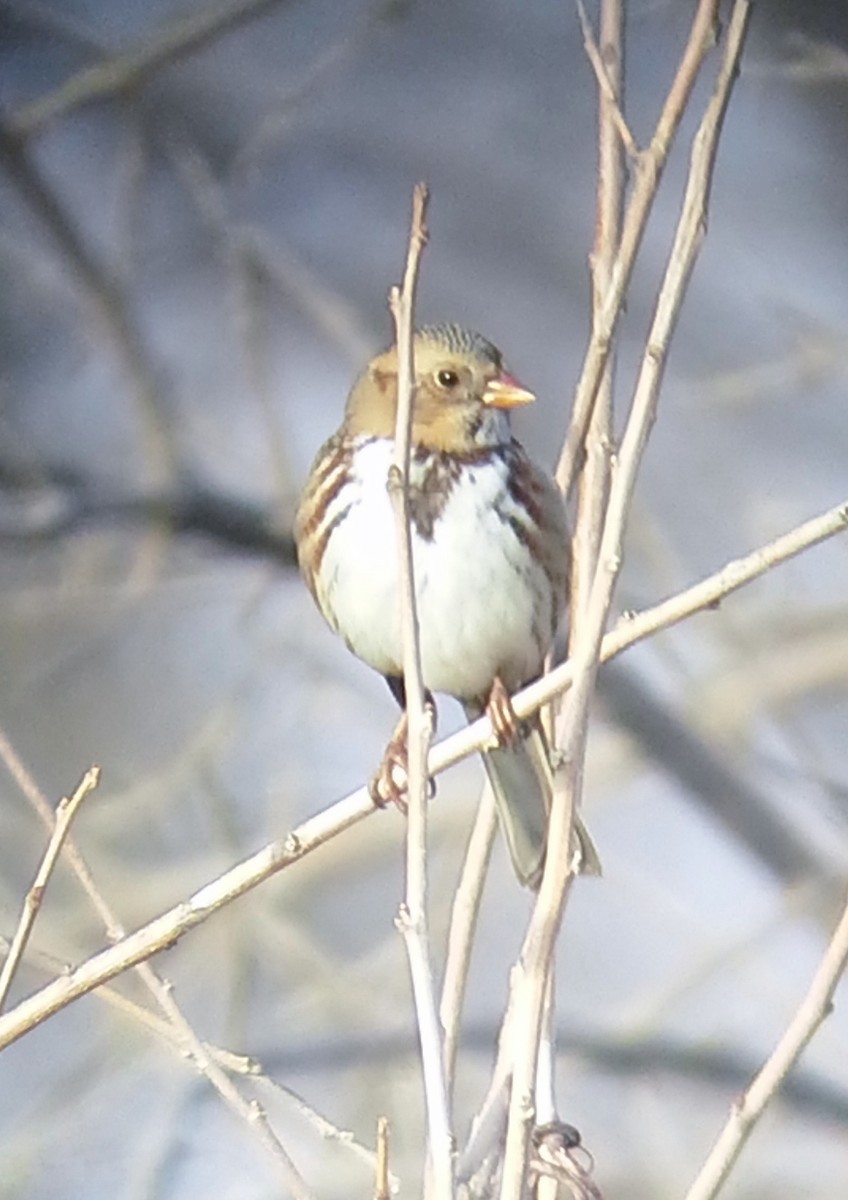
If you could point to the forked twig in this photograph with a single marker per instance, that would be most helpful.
(649, 166)
(609, 81)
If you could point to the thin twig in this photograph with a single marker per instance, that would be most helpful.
(595, 475)
(382, 1189)
(66, 810)
(248, 1110)
(558, 872)
(594, 478)
(488, 1128)
(243, 1065)
(323, 1126)
(746, 1112)
(546, 1106)
(164, 930)
(648, 166)
(536, 957)
(546, 1187)
(178, 1027)
(463, 926)
(607, 70)
(412, 917)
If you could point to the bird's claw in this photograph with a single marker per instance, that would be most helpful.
(505, 724)
(391, 781)
(388, 786)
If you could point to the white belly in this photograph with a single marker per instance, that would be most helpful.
(484, 606)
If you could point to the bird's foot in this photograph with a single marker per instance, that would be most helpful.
(388, 785)
(499, 710)
(391, 781)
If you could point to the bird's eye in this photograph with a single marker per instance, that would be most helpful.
(447, 378)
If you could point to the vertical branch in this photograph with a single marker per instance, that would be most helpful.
(594, 478)
(412, 918)
(649, 167)
(382, 1185)
(558, 873)
(546, 1106)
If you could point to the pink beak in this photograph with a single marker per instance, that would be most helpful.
(504, 391)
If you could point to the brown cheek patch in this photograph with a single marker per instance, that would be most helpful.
(383, 379)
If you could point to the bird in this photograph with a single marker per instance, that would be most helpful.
(490, 551)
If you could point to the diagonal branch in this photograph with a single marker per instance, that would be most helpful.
(66, 810)
(163, 931)
(746, 1112)
(175, 1025)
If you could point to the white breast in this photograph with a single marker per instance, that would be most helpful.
(484, 606)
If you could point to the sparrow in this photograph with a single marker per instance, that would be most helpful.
(490, 558)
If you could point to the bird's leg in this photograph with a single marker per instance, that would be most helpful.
(499, 710)
(386, 788)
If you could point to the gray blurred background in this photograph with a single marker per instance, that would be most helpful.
(194, 267)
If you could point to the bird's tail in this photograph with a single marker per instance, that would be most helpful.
(521, 776)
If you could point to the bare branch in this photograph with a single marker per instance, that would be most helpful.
(649, 167)
(594, 478)
(249, 1111)
(382, 1189)
(746, 1111)
(164, 930)
(412, 918)
(607, 69)
(558, 872)
(463, 926)
(243, 1065)
(177, 1026)
(66, 810)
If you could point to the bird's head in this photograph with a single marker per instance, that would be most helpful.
(462, 395)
